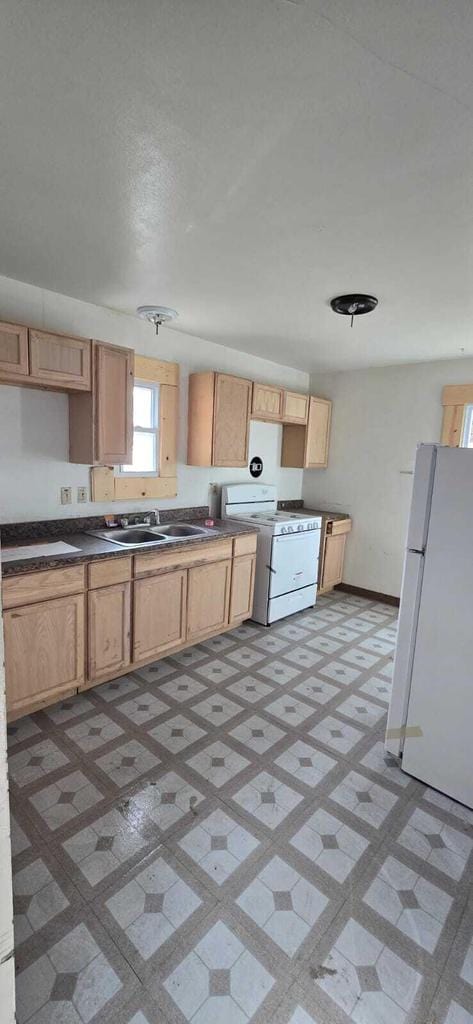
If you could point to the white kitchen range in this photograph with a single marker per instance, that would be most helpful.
(287, 554)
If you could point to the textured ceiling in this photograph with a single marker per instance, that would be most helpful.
(244, 161)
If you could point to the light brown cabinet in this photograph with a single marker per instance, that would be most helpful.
(318, 433)
(306, 447)
(266, 403)
(101, 423)
(208, 598)
(218, 420)
(44, 651)
(109, 626)
(332, 549)
(159, 613)
(334, 555)
(166, 600)
(295, 407)
(44, 360)
(242, 587)
(14, 362)
(59, 361)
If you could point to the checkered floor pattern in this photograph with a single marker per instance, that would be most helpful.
(220, 838)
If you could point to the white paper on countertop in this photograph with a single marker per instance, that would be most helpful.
(37, 550)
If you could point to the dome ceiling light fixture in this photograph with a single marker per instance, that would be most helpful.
(353, 305)
(156, 315)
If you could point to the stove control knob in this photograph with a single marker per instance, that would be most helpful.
(300, 528)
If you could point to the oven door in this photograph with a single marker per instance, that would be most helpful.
(294, 562)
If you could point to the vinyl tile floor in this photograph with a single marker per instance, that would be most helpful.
(220, 838)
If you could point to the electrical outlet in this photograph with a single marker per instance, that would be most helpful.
(66, 495)
(82, 494)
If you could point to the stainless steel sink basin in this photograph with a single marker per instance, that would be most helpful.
(137, 536)
(182, 530)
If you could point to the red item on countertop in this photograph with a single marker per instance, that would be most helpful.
(210, 522)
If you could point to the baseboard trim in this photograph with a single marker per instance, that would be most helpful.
(371, 595)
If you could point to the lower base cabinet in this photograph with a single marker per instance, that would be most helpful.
(51, 651)
(108, 630)
(243, 582)
(44, 651)
(159, 613)
(208, 598)
(334, 555)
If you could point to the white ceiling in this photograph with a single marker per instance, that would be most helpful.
(244, 161)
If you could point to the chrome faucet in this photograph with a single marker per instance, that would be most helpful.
(148, 518)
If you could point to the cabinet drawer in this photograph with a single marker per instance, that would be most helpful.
(60, 361)
(245, 545)
(335, 526)
(40, 586)
(197, 554)
(108, 572)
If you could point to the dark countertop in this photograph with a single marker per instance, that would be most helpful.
(335, 516)
(297, 505)
(92, 549)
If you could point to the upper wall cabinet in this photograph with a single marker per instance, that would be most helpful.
(101, 422)
(14, 361)
(218, 420)
(295, 407)
(44, 360)
(306, 447)
(267, 403)
(59, 361)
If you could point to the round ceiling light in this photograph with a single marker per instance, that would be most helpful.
(156, 315)
(353, 305)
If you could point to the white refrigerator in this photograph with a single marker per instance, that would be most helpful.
(430, 720)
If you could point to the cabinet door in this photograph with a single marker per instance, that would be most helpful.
(13, 351)
(267, 402)
(61, 362)
(44, 651)
(295, 407)
(232, 403)
(159, 613)
(114, 404)
(334, 555)
(243, 583)
(318, 433)
(109, 623)
(208, 598)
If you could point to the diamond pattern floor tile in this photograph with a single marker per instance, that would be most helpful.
(221, 836)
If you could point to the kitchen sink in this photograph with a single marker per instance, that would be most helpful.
(137, 536)
(182, 530)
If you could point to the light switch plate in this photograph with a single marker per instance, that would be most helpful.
(82, 494)
(66, 495)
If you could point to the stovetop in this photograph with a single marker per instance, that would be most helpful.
(280, 522)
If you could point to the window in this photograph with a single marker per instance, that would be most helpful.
(467, 433)
(145, 431)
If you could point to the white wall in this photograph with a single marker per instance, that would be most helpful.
(34, 428)
(379, 417)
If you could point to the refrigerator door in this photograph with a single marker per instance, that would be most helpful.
(404, 655)
(441, 694)
(421, 497)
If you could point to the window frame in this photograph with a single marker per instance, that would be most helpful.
(467, 425)
(155, 388)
